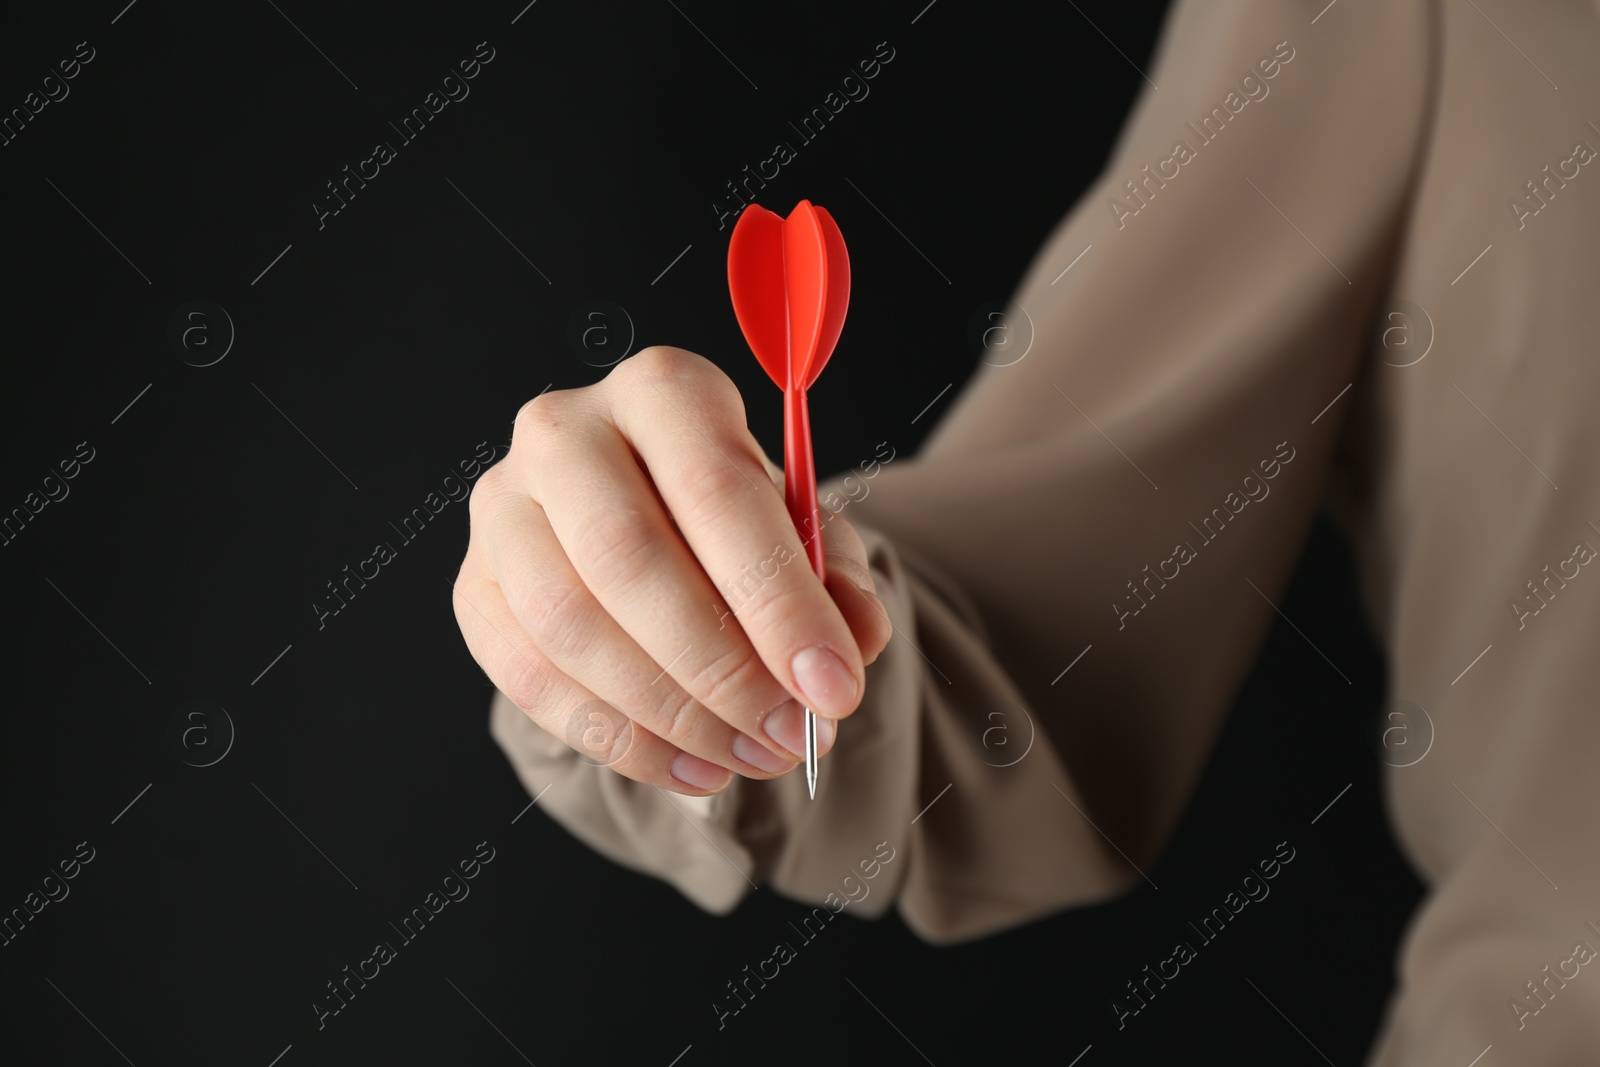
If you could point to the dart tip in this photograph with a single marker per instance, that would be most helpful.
(811, 753)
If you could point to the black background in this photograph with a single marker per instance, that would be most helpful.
(190, 550)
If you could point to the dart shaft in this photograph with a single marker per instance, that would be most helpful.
(800, 494)
(800, 478)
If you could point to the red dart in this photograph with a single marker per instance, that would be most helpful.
(790, 283)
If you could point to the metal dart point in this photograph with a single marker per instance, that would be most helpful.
(811, 753)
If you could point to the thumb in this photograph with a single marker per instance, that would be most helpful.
(853, 589)
(849, 580)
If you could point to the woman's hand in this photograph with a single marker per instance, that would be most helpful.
(634, 583)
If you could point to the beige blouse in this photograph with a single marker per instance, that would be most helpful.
(1137, 481)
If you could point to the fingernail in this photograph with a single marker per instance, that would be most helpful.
(756, 754)
(697, 773)
(829, 687)
(786, 725)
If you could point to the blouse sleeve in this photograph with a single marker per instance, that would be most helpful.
(1080, 564)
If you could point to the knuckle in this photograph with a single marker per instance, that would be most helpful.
(659, 365)
(555, 614)
(616, 751)
(677, 370)
(776, 604)
(677, 717)
(633, 758)
(722, 399)
(724, 680)
(600, 733)
(479, 501)
(540, 418)
(524, 682)
(722, 392)
(853, 569)
(458, 593)
(718, 488)
(617, 549)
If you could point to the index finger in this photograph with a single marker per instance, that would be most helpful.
(712, 476)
